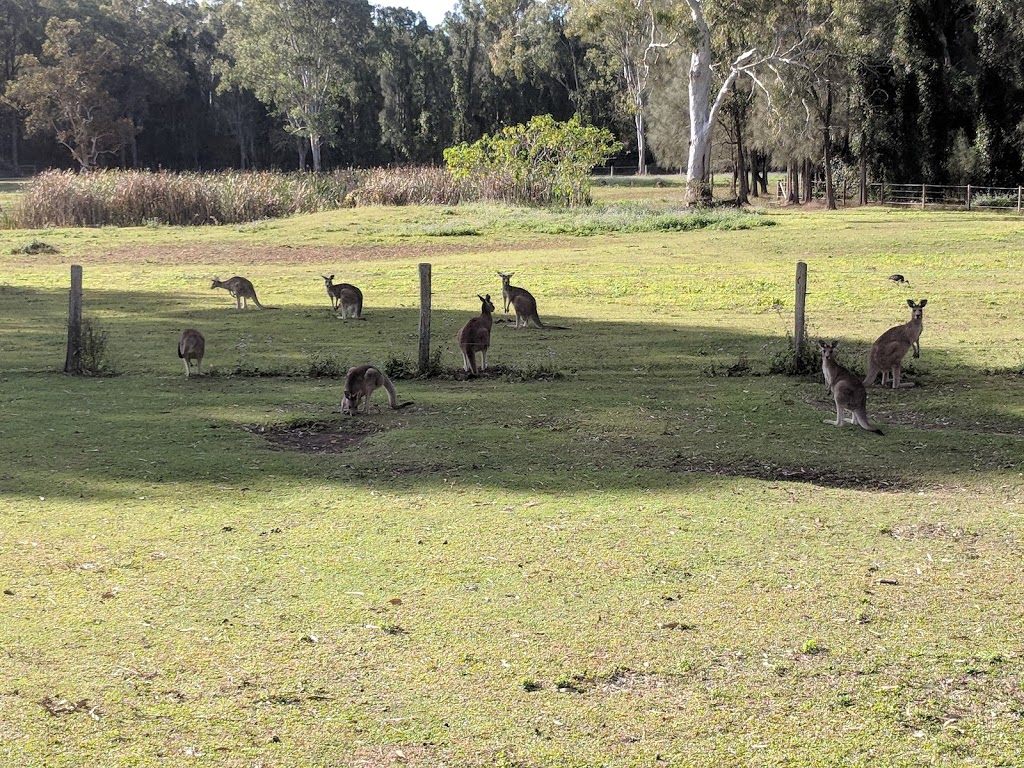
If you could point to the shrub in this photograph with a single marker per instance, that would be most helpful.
(543, 162)
(321, 366)
(93, 360)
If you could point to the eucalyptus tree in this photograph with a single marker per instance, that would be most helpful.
(67, 92)
(21, 32)
(299, 57)
(632, 35)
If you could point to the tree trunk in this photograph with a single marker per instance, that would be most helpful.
(742, 196)
(763, 157)
(698, 163)
(315, 144)
(863, 186)
(830, 191)
(808, 181)
(14, 143)
(303, 148)
(752, 165)
(641, 143)
(792, 183)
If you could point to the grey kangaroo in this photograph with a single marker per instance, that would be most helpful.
(475, 336)
(360, 383)
(889, 349)
(847, 390)
(523, 303)
(346, 296)
(192, 346)
(241, 289)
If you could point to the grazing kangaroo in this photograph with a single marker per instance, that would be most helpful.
(889, 349)
(241, 289)
(475, 336)
(192, 346)
(346, 296)
(523, 303)
(848, 391)
(360, 383)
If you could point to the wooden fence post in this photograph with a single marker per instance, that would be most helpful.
(1018, 199)
(923, 193)
(73, 361)
(424, 348)
(801, 300)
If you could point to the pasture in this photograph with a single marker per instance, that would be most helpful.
(633, 547)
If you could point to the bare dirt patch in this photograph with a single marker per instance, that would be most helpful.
(317, 436)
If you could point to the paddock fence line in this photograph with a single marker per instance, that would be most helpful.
(969, 197)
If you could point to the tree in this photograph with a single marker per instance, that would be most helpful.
(67, 92)
(631, 34)
(298, 57)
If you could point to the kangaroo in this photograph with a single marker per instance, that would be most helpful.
(360, 383)
(192, 346)
(346, 296)
(848, 391)
(241, 289)
(475, 336)
(523, 303)
(889, 349)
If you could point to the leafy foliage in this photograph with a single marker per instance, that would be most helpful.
(544, 162)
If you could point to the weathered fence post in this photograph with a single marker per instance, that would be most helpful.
(424, 349)
(801, 300)
(968, 197)
(923, 195)
(73, 361)
(1018, 199)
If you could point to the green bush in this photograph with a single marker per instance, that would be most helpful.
(543, 162)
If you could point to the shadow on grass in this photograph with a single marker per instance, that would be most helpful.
(638, 405)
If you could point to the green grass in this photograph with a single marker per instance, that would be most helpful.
(645, 561)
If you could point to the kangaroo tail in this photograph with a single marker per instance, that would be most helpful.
(871, 375)
(545, 326)
(181, 352)
(861, 417)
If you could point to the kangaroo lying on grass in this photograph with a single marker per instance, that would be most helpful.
(360, 383)
(241, 289)
(475, 336)
(848, 391)
(891, 347)
(192, 346)
(524, 303)
(346, 296)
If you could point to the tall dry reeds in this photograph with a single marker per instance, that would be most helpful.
(417, 185)
(135, 198)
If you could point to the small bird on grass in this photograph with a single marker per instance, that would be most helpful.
(900, 279)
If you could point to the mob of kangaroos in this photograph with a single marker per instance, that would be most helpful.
(475, 336)
(523, 303)
(346, 296)
(360, 383)
(847, 390)
(888, 351)
(241, 289)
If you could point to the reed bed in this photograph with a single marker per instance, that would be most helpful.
(418, 185)
(136, 198)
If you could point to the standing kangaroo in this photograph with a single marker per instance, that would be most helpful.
(475, 336)
(848, 391)
(192, 346)
(523, 303)
(346, 296)
(241, 289)
(891, 347)
(360, 383)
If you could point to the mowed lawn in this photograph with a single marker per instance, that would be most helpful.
(634, 547)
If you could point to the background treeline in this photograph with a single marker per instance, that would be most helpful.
(909, 90)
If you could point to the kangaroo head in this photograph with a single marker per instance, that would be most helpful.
(485, 303)
(828, 349)
(327, 279)
(216, 283)
(916, 310)
(505, 278)
(348, 403)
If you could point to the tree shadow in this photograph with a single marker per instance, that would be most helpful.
(641, 405)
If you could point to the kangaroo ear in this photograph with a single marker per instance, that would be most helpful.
(487, 297)
(910, 303)
(923, 302)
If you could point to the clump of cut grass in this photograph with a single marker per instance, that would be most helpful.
(36, 246)
(421, 185)
(142, 198)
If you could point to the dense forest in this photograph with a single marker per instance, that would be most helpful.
(904, 90)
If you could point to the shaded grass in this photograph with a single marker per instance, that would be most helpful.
(627, 538)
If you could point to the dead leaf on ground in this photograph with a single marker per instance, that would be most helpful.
(57, 706)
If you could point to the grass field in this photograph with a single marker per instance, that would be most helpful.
(661, 556)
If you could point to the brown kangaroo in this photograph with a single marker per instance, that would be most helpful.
(360, 383)
(891, 347)
(346, 296)
(848, 391)
(241, 289)
(192, 346)
(523, 303)
(475, 336)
